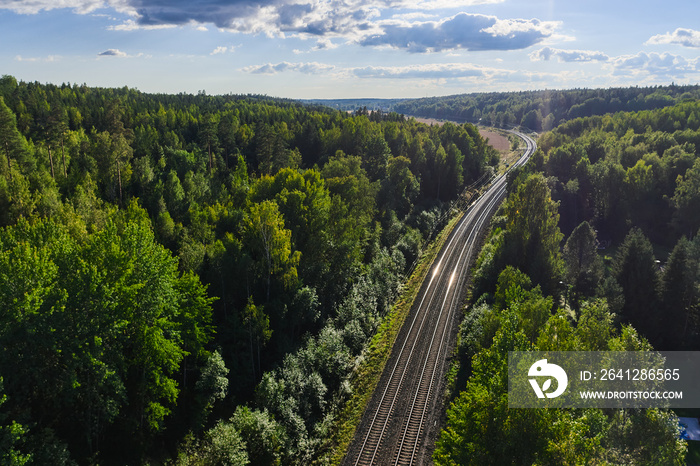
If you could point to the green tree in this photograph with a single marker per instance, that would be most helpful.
(609, 182)
(678, 295)
(345, 177)
(225, 446)
(584, 267)
(208, 130)
(400, 186)
(259, 332)
(305, 205)
(271, 149)
(532, 120)
(594, 327)
(455, 174)
(112, 321)
(212, 385)
(175, 194)
(10, 435)
(515, 292)
(440, 170)
(271, 245)
(480, 427)
(375, 155)
(686, 200)
(112, 152)
(642, 436)
(635, 270)
(122, 153)
(641, 193)
(264, 437)
(532, 236)
(13, 143)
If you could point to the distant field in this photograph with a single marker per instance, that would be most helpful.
(497, 141)
(430, 121)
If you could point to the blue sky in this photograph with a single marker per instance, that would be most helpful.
(350, 48)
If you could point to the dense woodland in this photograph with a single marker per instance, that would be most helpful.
(571, 264)
(544, 110)
(191, 278)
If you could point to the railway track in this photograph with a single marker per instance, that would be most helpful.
(403, 408)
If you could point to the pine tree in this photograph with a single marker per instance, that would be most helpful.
(12, 142)
(635, 269)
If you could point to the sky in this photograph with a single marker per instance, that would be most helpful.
(333, 49)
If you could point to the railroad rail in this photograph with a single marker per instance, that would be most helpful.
(393, 428)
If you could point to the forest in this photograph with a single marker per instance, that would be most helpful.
(571, 264)
(191, 279)
(544, 110)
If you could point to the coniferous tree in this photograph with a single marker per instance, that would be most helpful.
(13, 143)
(584, 267)
(678, 295)
(635, 269)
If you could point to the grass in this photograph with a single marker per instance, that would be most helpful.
(456, 376)
(366, 376)
(510, 157)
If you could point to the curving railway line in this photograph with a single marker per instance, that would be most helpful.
(400, 419)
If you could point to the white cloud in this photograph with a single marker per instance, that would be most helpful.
(131, 25)
(271, 17)
(548, 53)
(439, 71)
(50, 58)
(325, 44)
(681, 36)
(412, 16)
(222, 49)
(662, 65)
(431, 71)
(356, 21)
(641, 66)
(113, 53)
(510, 27)
(28, 7)
(321, 44)
(119, 54)
(439, 4)
(462, 31)
(306, 68)
(26, 59)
